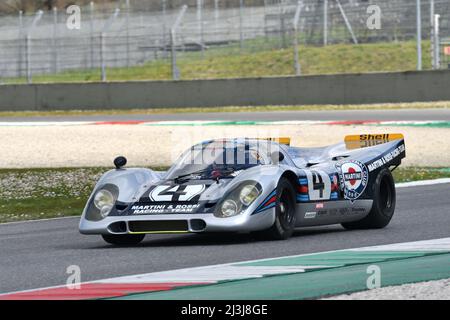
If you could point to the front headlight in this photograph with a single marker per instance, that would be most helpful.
(248, 194)
(239, 199)
(229, 208)
(104, 201)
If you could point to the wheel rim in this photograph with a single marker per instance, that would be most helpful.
(285, 210)
(386, 197)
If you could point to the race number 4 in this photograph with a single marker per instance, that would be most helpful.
(176, 193)
(319, 185)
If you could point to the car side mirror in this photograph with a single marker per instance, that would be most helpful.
(120, 162)
(277, 157)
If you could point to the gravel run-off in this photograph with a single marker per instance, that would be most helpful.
(430, 290)
(97, 145)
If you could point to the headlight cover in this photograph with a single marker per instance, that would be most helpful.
(102, 203)
(229, 208)
(239, 199)
(248, 194)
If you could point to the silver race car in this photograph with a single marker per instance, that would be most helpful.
(246, 185)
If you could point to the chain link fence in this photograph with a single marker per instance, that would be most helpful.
(131, 33)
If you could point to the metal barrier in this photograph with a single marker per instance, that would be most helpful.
(327, 89)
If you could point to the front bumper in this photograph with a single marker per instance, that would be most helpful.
(240, 223)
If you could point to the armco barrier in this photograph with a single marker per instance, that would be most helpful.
(323, 89)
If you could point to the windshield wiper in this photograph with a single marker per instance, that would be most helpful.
(180, 177)
(226, 171)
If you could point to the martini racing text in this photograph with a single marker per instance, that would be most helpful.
(164, 208)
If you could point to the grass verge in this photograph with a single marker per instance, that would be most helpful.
(258, 60)
(269, 108)
(29, 194)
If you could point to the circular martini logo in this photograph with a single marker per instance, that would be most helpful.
(354, 177)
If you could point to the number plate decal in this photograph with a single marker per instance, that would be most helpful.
(319, 185)
(175, 193)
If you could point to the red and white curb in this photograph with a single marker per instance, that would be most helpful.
(168, 280)
(217, 123)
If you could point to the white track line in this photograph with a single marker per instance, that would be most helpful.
(421, 183)
(425, 245)
(39, 220)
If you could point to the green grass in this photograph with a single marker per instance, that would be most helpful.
(29, 194)
(408, 174)
(381, 106)
(261, 61)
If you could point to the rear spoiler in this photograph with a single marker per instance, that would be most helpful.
(369, 140)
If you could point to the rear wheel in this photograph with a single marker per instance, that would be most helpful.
(383, 207)
(123, 239)
(285, 217)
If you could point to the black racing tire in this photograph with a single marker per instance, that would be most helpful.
(123, 239)
(285, 212)
(383, 207)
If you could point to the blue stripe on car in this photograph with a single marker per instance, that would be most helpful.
(263, 205)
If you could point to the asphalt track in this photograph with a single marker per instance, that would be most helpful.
(369, 115)
(37, 254)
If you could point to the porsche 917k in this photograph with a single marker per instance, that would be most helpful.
(247, 185)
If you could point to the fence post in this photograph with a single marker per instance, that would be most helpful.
(54, 43)
(92, 40)
(28, 58)
(325, 22)
(127, 17)
(437, 56)
(241, 22)
(200, 24)
(175, 71)
(102, 58)
(164, 24)
(20, 53)
(419, 34)
(432, 47)
(296, 21)
(105, 29)
(28, 46)
(266, 36)
(216, 13)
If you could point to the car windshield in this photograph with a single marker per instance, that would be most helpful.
(219, 159)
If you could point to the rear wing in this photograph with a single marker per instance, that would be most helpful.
(280, 140)
(369, 140)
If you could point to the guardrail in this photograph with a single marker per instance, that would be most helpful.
(322, 89)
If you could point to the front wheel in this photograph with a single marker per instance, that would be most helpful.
(123, 239)
(383, 207)
(285, 217)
